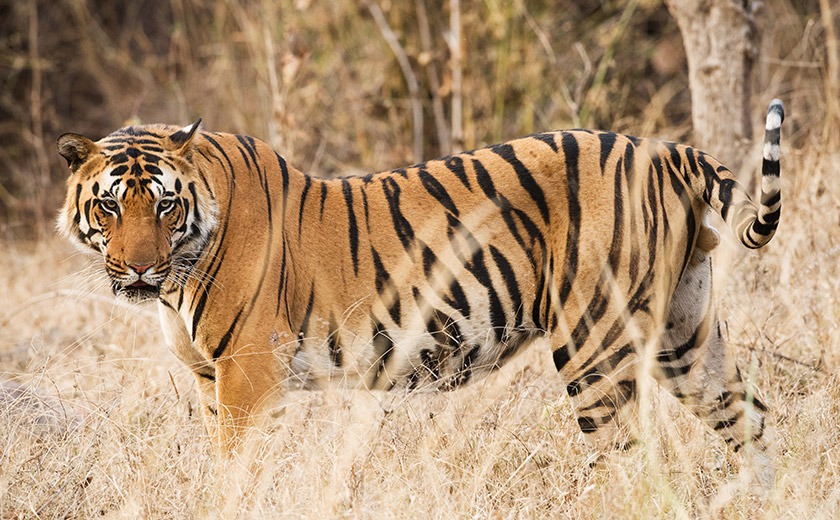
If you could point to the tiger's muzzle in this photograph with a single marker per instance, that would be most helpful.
(139, 282)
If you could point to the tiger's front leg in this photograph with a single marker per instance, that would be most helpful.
(237, 388)
(179, 342)
(250, 379)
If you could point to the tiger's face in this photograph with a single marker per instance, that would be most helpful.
(136, 198)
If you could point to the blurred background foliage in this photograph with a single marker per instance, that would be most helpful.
(320, 81)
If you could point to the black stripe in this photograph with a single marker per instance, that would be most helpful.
(773, 136)
(676, 160)
(281, 286)
(770, 168)
(765, 229)
(676, 354)
(77, 217)
(682, 192)
(202, 300)
(384, 285)
(570, 262)
(607, 140)
(303, 330)
(365, 207)
(661, 205)
(401, 225)
(437, 191)
(131, 140)
(353, 226)
(770, 200)
(526, 180)
(119, 171)
(629, 174)
(728, 423)
(497, 313)
(119, 158)
(508, 212)
(692, 164)
(203, 177)
(429, 261)
(539, 291)
(307, 182)
(456, 166)
(323, 197)
(383, 346)
(547, 138)
(226, 338)
(587, 424)
(457, 299)
(248, 144)
(622, 393)
(167, 304)
(594, 312)
(509, 277)
(242, 153)
(156, 159)
(562, 356)
(618, 219)
(599, 371)
(598, 304)
(196, 215)
(485, 181)
(284, 171)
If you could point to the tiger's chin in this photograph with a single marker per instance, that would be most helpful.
(138, 292)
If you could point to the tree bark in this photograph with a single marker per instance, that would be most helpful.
(720, 40)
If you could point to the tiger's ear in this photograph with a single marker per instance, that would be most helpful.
(180, 140)
(76, 149)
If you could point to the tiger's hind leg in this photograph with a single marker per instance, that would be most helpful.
(697, 366)
(601, 376)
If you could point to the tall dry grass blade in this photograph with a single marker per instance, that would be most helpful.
(456, 69)
(408, 73)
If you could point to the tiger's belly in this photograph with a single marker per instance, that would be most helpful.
(433, 350)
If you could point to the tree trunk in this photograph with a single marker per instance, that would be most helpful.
(720, 40)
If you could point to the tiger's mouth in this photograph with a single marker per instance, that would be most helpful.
(137, 292)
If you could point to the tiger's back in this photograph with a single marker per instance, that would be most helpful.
(459, 288)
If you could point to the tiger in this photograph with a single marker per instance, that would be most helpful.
(429, 276)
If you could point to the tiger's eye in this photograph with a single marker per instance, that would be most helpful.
(165, 205)
(109, 205)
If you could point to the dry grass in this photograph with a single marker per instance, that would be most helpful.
(108, 425)
(97, 419)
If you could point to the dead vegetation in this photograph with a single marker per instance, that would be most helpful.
(96, 419)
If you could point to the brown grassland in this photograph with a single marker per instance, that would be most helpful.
(98, 419)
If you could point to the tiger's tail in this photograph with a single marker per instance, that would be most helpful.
(754, 226)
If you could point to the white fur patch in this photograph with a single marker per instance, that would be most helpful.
(774, 121)
(771, 151)
(770, 184)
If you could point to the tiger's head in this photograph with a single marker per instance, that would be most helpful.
(137, 198)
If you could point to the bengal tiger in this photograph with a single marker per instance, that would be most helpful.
(428, 276)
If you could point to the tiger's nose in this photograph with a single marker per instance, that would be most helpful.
(140, 268)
